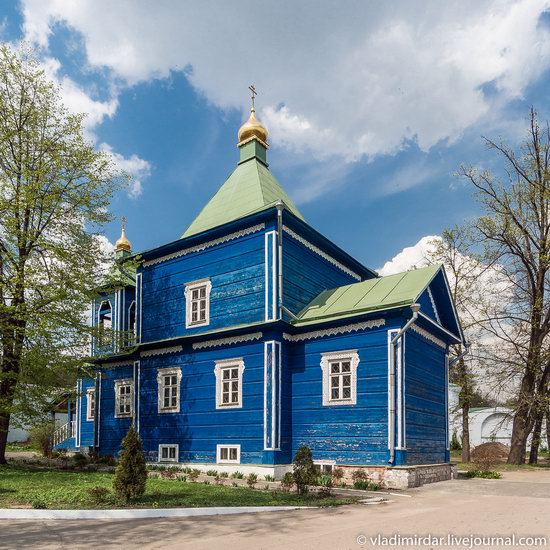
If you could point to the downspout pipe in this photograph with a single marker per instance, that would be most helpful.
(466, 351)
(393, 346)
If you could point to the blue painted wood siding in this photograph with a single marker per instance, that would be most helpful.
(306, 274)
(348, 434)
(111, 429)
(237, 273)
(425, 401)
(85, 427)
(199, 426)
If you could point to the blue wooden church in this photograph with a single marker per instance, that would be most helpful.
(253, 334)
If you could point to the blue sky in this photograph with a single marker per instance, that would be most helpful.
(371, 108)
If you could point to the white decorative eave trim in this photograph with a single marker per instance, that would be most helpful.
(321, 253)
(428, 336)
(433, 305)
(335, 330)
(204, 246)
(228, 341)
(128, 363)
(161, 351)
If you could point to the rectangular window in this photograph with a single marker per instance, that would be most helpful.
(124, 396)
(168, 453)
(90, 404)
(169, 389)
(339, 371)
(197, 308)
(229, 383)
(230, 454)
(324, 466)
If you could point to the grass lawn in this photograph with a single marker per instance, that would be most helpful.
(49, 488)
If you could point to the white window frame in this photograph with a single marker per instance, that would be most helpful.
(118, 385)
(338, 356)
(220, 367)
(169, 446)
(323, 464)
(220, 460)
(90, 395)
(189, 288)
(169, 371)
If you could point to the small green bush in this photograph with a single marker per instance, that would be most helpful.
(485, 474)
(80, 460)
(325, 483)
(455, 443)
(251, 480)
(365, 485)
(39, 504)
(287, 482)
(269, 477)
(131, 472)
(212, 473)
(303, 469)
(224, 474)
(194, 474)
(100, 495)
(41, 436)
(337, 474)
(237, 475)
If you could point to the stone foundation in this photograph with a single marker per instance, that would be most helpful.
(402, 477)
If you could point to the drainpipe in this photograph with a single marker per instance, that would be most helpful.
(415, 309)
(280, 207)
(463, 354)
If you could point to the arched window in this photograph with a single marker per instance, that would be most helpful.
(105, 323)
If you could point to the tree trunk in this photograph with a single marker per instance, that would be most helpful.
(465, 432)
(548, 430)
(520, 432)
(4, 428)
(535, 441)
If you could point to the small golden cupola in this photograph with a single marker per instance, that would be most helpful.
(123, 244)
(253, 128)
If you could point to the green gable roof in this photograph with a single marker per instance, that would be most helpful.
(378, 294)
(249, 189)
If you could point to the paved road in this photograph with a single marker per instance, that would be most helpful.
(518, 504)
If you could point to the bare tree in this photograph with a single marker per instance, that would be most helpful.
(515, 230)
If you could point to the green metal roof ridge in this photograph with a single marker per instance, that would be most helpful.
(249, 189)
(391, 291)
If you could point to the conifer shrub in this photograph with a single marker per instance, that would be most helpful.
(287, 482)
(131, 472)
(303, 470)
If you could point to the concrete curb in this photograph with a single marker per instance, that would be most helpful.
(137, 513)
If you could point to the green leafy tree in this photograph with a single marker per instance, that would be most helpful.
(55, 188)
(131, 471)
(303, 470)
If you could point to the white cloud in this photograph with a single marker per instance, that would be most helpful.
(78, 100)
(411, 257)
(135, 166)
(358, 79)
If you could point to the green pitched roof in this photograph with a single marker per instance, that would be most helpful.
(378, 294)
(249, 189)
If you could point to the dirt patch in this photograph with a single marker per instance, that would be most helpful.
(492, 451)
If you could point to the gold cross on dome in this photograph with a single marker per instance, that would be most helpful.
(123, 221)
(252, 88)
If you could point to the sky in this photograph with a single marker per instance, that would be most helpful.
(371, 107)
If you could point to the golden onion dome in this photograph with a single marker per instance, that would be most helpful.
(252, 128)
(123, 243)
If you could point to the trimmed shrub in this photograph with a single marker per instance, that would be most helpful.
(325, 485)
(303, 470)
(131, 472)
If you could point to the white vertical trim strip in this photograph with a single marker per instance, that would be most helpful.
(391, 334)
(265, 395)
(280, 402)
(78, 414)
(273, 396)
(447, 401)
(274, 267)
(138, 393)
(399, 388)
(98, 408)
(266, 277)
